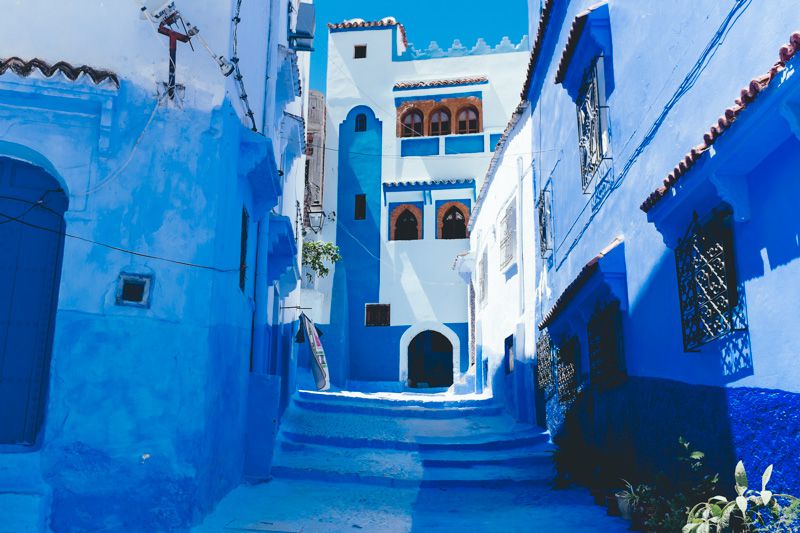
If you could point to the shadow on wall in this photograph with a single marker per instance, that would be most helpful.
(655, 346)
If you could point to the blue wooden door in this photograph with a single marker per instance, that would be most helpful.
(32, 207)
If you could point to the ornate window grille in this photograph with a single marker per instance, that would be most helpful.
(567, 370)
(544, 209)
(606, 363)
(544, 363)
(709, 297)
(590, 132)
(508, 245)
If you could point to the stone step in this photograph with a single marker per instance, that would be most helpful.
(538, 454)
(390, 408)
(403, 468)
(484, 441)
(382, 427)
(400, 399)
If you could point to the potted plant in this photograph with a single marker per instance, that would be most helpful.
(627, 500)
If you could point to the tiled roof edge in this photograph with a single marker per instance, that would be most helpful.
(747, 96)
(26, 68)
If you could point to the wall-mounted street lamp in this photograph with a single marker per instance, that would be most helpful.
(317, 218)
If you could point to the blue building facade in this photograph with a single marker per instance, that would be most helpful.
(666, 314)
(149, 237)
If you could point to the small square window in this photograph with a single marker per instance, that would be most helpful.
(360, 51)
(377, 315)
(134, 290)
(361, 207)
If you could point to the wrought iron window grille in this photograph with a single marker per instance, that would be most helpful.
(508, 244)
(606, 359)
(710, 302)
(545, 214)
(590, 113)
(544, 364)
(567, 370)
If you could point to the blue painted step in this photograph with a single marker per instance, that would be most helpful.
(486, 442)
(391, 409)
(432, 401)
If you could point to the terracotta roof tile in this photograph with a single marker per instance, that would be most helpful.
(575, 32)
(536, 49)
(580, 280)
(359, 23)
(26, 68)
(440, 83)
(724, 122)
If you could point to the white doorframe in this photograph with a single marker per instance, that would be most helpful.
(418, 328)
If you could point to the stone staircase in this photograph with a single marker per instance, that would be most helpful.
(403, 439)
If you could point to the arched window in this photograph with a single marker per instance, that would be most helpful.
(468, 120)
(361, 122)
(440, 122)
(454, 225)
(407, 227)
(411, 124)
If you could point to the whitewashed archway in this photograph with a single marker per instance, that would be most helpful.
(418, 328)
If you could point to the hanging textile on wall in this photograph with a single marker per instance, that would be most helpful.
(319, 366)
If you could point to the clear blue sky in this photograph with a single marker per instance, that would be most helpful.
(425, 21)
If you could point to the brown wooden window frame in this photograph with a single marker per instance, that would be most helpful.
(468, 128)
(416, 128)
(440, 117)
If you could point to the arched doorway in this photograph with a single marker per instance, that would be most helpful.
(32, 206)
(430, 360)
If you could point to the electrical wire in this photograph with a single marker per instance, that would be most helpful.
(127, 162)
(689, 80)
(34, 205)
(391, 265)
(237, 75)
(118, 248)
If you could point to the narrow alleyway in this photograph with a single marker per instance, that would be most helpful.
(407, 462)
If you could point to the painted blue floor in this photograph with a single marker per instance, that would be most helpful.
(407, 462)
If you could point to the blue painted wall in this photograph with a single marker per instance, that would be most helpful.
(733, 382)
(146, 417)
(464, 144)
(419, 147)
(359, 243)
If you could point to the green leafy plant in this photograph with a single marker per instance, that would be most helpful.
(751, 510)
(317, 255)
(665, 507)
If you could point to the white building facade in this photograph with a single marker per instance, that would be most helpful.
(410, 134)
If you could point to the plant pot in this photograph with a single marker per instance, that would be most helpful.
(625, 504)
(611, 505)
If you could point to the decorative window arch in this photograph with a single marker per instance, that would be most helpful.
(412, 123)
(405, 223)
(361, 122)
(452, 219)
(468, 120)
(440, 122)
